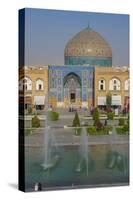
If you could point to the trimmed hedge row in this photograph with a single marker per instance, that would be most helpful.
(121, 122)
(53, 116)
(93, 131)
(123, 130)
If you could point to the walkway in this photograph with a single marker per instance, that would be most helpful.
(67, 137)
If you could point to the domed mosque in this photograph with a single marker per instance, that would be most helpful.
(88, 47)
(73, 83)
(85, 79)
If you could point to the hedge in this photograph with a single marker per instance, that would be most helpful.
(93, 131)
(53, 116)
(126, 127)
(121, 122)
(108, 128)
(123, 130)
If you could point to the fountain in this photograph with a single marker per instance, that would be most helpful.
(50, 158)
(114, 158)
(111, 157)
(84, 153)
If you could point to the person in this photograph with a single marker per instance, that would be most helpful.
(119, 110)
(105, 122)
(38, 187)
(91, 109)
(126, 109)
(71, 107)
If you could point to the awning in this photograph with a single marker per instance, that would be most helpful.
(39, 100)
(101, 101)
(116, 100)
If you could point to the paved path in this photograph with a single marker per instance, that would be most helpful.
(62, 136)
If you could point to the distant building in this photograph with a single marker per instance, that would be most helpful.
(33, 86)
(113, 81)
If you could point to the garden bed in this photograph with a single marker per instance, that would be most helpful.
(104, 131)
(122, 130)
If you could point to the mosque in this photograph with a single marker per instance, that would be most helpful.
(85, 79)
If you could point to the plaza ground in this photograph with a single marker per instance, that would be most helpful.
(65, 135)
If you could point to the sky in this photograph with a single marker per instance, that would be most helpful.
(48, 31)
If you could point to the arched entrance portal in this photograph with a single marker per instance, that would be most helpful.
(72, 89)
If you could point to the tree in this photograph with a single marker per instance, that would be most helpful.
(76, 120)
(96, 115)
(108, 100)
(76, 123)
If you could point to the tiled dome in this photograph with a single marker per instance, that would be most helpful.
(87, 43)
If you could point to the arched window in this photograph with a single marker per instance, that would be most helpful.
(114, 84)
(126, 84)
(25, 84)
(39, 84)
(102, 84)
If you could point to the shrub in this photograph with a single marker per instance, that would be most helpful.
(123, 130)
(91, 130)
(53, 116)
(109, 109)
(110, 115)
(76, 120)
(126, 128)
(121, 122)
(103, 131)
(108, 100)
(35, 122)
(107, 128)
(99, 125)
(95, 116)
(76, 123)
(29, 110)
(119, 130)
